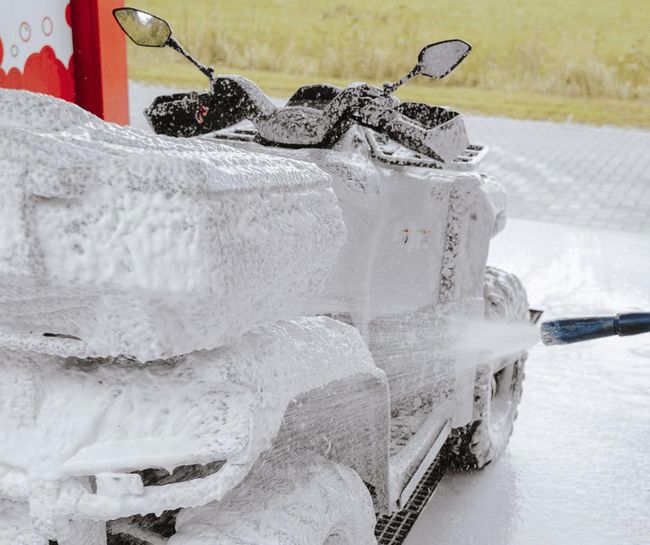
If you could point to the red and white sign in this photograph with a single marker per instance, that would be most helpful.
(72, 49)
(36, 47)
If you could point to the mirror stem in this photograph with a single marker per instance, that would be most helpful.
(209, 72)
(392, 87)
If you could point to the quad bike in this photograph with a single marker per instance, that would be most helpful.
(316, 116)
(329, 250)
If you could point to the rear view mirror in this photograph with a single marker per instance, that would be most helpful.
(437, 60)
(142, 27)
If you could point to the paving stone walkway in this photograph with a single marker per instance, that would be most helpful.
(556, 172)
(569, 173)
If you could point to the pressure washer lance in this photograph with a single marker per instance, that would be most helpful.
(573, 330)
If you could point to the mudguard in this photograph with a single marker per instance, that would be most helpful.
(99, 438)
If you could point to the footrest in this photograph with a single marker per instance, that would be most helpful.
(392, 529)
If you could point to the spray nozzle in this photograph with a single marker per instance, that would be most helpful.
(572, 330)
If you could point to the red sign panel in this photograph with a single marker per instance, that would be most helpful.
(72, 49)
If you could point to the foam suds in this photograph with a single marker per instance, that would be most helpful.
(130, 240)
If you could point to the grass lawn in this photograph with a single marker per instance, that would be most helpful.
(521, 105)
(583, 60)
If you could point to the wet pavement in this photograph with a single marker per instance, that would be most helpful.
(576, 469)
(569, 173)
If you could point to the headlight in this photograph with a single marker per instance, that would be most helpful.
(119, 484)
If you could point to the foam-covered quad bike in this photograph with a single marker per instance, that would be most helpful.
(268, 305)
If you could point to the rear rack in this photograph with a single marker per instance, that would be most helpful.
(382, 149)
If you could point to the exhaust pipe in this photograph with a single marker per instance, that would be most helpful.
(573, 330)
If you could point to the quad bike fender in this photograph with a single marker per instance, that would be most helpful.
(192, 438)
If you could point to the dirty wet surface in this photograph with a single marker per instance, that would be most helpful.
(576, 470)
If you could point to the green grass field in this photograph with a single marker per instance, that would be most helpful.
(585, 60)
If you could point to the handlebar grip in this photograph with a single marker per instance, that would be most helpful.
(180, 114)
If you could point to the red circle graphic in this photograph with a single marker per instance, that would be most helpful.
(25, 32)
(47, 26)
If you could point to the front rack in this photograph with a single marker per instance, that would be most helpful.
(237, 134)
(388, 151)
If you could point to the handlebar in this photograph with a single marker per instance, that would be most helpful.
(432, 131)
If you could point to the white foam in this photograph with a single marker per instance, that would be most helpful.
(147, 245)
(415, 254)
(61, 418)
(15, 526)
(306, 502)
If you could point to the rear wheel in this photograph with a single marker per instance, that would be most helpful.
(497, 388)
(496, 397)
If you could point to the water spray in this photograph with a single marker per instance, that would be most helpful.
(573, 330)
